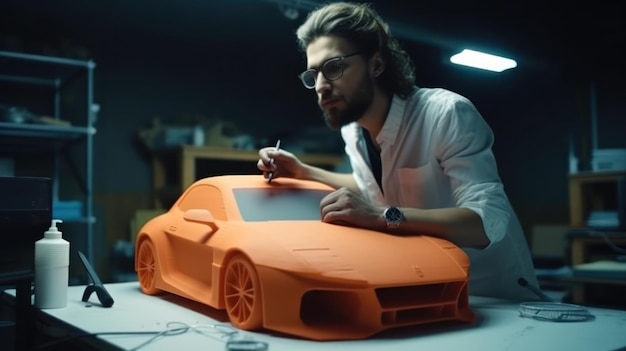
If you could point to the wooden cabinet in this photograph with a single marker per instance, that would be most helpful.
(590, 246)
(175, 169)
(594, 191)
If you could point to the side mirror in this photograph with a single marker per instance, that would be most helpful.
(202, 216)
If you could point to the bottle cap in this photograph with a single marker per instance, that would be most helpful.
(53, 231)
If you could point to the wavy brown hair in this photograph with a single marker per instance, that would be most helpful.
(362, 26)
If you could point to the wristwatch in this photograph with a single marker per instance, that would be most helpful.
(393, 216)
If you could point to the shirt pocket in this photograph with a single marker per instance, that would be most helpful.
(417, 187)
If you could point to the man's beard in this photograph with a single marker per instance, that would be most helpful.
(356, 106)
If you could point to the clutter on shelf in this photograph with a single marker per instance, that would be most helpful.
(21, 115)
(198, 132)
(217, 132)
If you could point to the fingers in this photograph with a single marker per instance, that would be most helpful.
(338, 207)
(340, 197)
(265, 163)
(265, 167)
(346, 207)
(284, 163)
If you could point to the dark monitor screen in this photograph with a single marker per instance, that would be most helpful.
(25, 214)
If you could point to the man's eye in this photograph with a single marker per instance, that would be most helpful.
(332, 68)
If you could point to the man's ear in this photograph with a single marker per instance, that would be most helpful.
(377, 65)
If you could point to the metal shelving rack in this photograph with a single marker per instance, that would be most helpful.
(54, 72)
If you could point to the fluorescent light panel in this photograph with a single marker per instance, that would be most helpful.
(482, 60)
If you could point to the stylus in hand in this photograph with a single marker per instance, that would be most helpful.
(271, 175)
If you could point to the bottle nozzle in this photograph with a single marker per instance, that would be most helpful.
(53, 225)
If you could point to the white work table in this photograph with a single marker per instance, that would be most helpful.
(498, 327)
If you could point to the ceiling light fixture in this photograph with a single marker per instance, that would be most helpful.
(482, 60)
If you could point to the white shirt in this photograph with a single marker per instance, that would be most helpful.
(436, 153)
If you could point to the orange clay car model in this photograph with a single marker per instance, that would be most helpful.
(260, 251)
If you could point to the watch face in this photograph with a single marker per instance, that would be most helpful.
(393, 215)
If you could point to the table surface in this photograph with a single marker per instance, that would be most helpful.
(499, 326)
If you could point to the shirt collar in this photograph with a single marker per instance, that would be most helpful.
(393, 121)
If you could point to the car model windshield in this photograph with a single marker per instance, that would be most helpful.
(279, 204)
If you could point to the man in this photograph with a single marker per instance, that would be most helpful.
(421, 158)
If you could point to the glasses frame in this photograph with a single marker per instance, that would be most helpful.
(317, 71)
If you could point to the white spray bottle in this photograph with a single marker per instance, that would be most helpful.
(52, 261)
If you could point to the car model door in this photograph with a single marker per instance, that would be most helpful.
(189, 234)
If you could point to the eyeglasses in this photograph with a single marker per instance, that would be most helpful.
(332, 69)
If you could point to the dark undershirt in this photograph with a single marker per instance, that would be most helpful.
(374, 156)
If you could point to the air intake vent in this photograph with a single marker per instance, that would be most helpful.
(419, 303)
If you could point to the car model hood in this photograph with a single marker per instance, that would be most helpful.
(354, 254)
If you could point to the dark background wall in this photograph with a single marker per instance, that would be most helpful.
(238, 61)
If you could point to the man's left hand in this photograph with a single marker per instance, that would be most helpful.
(346, 207)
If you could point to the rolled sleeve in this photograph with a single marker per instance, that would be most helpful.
(464, 152)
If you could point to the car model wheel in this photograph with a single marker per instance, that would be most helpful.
(146, 267)
(242, 294)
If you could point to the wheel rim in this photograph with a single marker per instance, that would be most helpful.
(242, 294)
(146, 267)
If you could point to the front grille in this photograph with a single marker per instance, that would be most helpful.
(401, 306)
(421, 303)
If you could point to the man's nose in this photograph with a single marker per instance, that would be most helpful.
(321, 83)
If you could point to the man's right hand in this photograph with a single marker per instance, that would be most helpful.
(285, 164)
